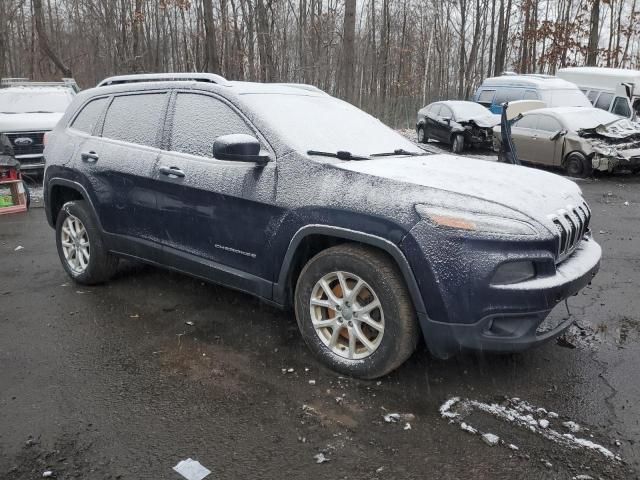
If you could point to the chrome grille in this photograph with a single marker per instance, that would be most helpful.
(572, 224)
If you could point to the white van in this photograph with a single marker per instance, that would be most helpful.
(616, 90)
(553, 91)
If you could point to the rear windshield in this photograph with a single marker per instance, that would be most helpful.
(565, 98)
(313, 122)
(33, 100)
(588, 119)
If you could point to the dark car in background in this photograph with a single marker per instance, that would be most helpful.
(458, 123)
(369, 239)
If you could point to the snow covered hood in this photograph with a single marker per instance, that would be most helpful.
(532, 192)
(28, 122)
(622, 128)
(484, 121)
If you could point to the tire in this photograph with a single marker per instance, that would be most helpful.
(577, 165)
(76, 230)
(396, 334)
(423, 136)
(457, 144)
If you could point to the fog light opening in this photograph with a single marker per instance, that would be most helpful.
(514, 272)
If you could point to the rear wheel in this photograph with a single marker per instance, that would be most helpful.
(354, 311)
(578, 165)
(457, 145)
(80, 246)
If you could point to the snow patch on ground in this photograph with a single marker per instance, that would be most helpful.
(519, 412)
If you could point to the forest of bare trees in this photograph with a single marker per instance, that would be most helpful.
(387, 56)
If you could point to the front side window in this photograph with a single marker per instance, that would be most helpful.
(621, 107)
(199, 119)
(135, 118)
(604, 101)
(446, 112)
(507, 95)
(435, 109)
(89, 115)
(530, 95)
(592, 95)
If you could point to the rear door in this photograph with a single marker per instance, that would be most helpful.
(120, 165)
(213, 210)
(522, 133)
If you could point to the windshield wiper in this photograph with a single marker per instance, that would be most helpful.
(8, 113)
(341, 154)
(399, 151)
(40, 111)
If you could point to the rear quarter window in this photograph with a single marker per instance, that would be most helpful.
(135, 118)
(89, 116)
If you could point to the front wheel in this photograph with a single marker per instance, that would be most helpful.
(354, 311)
(80, 246)
(457, 145)
(578, 165)
(423, 137)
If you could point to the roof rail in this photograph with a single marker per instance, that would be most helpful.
(25, 82)
(302, 86)
(164, 77)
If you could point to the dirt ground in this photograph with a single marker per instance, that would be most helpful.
(111, 382)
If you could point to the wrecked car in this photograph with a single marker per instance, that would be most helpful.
(577, 139)
(458, 123)
(371, 241)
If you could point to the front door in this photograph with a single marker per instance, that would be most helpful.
(213, 210)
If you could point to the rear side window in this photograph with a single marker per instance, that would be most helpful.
(592, 95)
(621, 107)
(548, 124)
(604, 101)
(89, 115)
(486, 97)
(530, 95)
(528, 121)
(135, 118)
(200, 119)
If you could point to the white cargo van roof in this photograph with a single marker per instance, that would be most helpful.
(600, 78)
(540, 82)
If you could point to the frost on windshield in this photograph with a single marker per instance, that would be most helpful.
(319, 122)
(27, 100)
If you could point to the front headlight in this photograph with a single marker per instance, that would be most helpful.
(474, 221)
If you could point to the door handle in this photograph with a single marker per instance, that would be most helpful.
(175, 171)
(89, 156)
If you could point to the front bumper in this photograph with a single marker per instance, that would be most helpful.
(31, 162)
(510, 315)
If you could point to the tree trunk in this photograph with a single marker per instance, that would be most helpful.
(213, 64)
(43, 40)
(348, 49)
(592, 49)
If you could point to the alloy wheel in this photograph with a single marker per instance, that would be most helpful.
(347, 315)
(75, 244)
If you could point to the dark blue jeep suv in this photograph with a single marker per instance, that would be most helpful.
(303, 200)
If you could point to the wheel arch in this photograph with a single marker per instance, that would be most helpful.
(312, 239)
(60, 191)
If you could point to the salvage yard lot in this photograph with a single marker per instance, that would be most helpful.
(127, 379)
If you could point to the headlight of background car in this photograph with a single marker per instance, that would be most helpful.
(473, 221)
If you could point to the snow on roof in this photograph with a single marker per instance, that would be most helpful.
(540, 82)
(562, 110)
(36, 89)
(279, 88)
(600, 78)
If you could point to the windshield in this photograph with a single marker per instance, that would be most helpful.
(34, 100)
(323, 123)
(565, 98)
(469, 109)
(590, 118)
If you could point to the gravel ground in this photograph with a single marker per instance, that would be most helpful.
(126, 379)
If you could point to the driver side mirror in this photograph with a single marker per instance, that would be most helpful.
(558, 134)
(239, 147)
